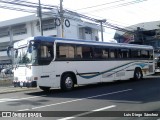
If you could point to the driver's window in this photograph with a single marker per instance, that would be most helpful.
(46, 51)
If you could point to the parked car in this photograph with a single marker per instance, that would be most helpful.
(157, 63)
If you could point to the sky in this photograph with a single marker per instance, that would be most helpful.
(120, 12)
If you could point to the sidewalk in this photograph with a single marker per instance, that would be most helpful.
(10, 89)
(6, 85)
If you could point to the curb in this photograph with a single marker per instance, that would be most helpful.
(6, 82)
(152, 76)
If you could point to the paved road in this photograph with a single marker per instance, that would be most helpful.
(126, 96)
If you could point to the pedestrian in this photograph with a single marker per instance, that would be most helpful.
(3, 72)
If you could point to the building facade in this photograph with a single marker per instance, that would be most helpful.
(20, 28)
(144, 33)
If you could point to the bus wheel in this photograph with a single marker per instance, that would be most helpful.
(45, 89)
(138, 74)
(67, 82)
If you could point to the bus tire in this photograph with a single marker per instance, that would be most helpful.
(45, 89)
(67, 82)
(138, 75)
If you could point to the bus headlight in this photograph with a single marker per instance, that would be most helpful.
(15, 78)
(31, 78)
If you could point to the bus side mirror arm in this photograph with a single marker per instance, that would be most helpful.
(9, 50)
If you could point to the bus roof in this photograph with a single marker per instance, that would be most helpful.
(64, 40)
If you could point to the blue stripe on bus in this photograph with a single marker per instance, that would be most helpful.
(142, 65)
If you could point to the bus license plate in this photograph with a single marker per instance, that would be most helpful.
(21, 83)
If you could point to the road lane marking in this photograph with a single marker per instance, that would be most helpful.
(24, 110)
(100, 109)
(86, 113)
(16, 99)
(82, 99)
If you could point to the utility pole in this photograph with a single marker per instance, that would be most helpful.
(39, 13)
(11, 44)
(101, 23)
(62, 18)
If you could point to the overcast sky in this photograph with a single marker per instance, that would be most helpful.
(121, 12)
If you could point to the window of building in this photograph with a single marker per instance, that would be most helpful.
(48, 24)
(4, 32)
(88, 30)
(19, 29)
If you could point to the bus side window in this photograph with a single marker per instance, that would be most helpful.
(61, 51)
(119, 54)
(45, 54)
(150, 54)
(65, 51)
(112, 53)
(125, 53)
(135, 53)
(46, 51)
(87, 52)
(144, 54)
(105, 53)
(78, 52)
(71, 51)
(97, 54)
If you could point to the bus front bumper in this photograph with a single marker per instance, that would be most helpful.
(25, 84)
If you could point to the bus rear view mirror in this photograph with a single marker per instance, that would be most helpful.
(9, 50)
(16, 53)
(30, 47)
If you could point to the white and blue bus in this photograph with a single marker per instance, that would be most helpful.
(50, 62)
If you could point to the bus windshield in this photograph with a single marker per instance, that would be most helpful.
(35, 54)
(26, 55)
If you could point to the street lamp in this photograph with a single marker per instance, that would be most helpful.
(101, 23)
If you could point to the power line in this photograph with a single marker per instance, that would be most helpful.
(121, 5)
(49, 8)
(100, 5)
(126, 4)
(116, 6)
(16, 9)
(115, 21)
(29, 4)
(120, 26)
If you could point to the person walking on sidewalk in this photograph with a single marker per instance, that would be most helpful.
(3, 72)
